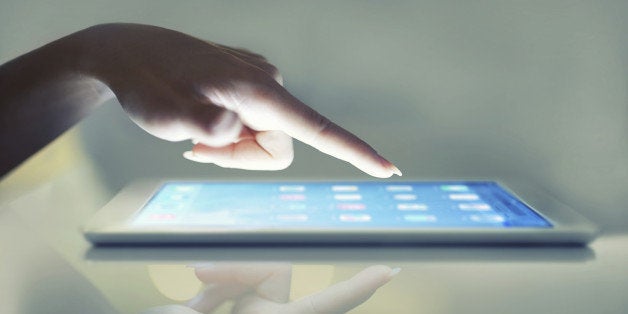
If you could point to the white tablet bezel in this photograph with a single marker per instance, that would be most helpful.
(111, 225)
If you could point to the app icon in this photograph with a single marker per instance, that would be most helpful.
(184, 188)
(411, 206)
(351, 206)
(454, 188)
(347, 197)
(488, 218)
(464, 197)
(292, 197)
(179, 197)
(474, 206)
(420, 218)
(404, 197)
(296, 206)
(399, 188)
(292, 188)
(344, 188)
(355, 217)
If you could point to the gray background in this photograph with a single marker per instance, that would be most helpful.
(532, 90)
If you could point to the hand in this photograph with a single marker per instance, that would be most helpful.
(265, 288)
(229, 101)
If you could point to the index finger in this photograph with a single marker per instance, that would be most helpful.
(344, 296)
(272, 107)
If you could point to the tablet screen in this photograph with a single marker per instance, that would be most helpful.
(336, 205)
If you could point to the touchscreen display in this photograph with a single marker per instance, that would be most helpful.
(336, 205)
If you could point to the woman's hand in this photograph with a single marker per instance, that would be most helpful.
(265, 288)
(229, 101)
(177, 87)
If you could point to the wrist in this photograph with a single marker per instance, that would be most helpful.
(102, 52)
(87, 48)
(80, 57)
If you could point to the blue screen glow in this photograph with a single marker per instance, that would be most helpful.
(338, 204)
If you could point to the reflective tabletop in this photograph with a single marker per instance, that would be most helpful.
(46, 266)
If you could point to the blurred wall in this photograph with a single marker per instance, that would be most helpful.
(532, 90)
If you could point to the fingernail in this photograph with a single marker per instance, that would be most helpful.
(394, 272)
(389, 165)
(396, 170)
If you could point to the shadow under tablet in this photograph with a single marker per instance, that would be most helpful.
(363, 253)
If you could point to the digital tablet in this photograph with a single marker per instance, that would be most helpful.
(439, 212)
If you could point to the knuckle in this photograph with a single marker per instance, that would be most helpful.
(323, 126)
(220, 128)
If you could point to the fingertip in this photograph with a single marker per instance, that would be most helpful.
(190, 155)
(384, 174)
(396, 171)
(378, 269)
(378, 275)
(394, 272)
(393, 170)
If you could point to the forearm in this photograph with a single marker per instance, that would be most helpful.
(42, 94)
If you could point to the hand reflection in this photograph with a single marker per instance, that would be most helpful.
(265, 288)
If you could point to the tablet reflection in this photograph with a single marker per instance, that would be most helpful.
(265, 288)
